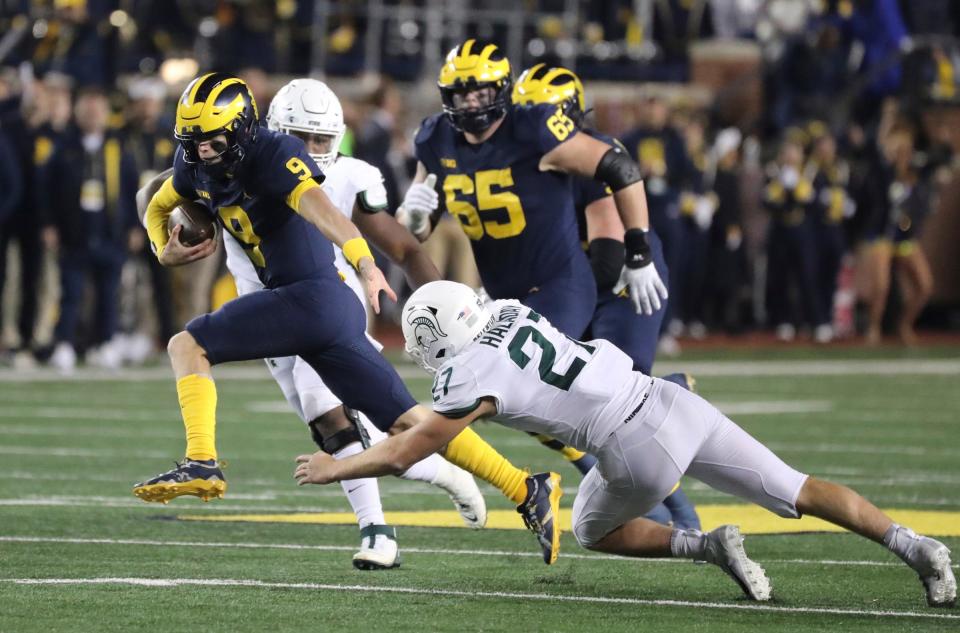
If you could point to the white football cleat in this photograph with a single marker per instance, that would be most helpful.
(463, 491)
(931, 560)
(378, 548)
(725, 550)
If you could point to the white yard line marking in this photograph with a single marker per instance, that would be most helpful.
(416, 550)
(546, 597)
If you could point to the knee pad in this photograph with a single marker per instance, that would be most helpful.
(342, 438)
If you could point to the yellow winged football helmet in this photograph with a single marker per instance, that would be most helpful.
(551, 84)
(469, 66)
(214, 104)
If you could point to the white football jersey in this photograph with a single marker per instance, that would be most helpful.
(542, 381)
(347, 181)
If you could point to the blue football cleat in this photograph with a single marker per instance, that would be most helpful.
(202, 479)
(539, 511)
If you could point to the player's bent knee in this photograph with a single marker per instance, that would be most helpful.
(331, 422)
(182, 344)
(587, 538)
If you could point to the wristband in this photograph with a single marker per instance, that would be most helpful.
(637, 248)
(356, 249)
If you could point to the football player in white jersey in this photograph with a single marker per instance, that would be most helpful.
(509, 364)
(309, 109)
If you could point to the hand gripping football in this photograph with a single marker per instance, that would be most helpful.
(198, 225)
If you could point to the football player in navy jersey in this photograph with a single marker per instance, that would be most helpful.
(601, 234)
(506, 172)
(263, 187)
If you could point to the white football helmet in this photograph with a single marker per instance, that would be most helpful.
(440, 319)
(309, 106)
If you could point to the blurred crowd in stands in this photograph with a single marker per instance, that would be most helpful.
(802, 217)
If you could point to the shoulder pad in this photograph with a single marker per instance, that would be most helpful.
(428, 127)
(529, 118)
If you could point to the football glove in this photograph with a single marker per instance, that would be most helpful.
(418, 205)
(638, 276)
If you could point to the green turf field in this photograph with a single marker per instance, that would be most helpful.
(79, 553)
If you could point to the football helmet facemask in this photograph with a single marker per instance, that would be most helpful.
(471, 66)
(305, 107)
(211, 105)
(440, 320)
(552, 84)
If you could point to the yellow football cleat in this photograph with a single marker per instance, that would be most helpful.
(202, 479)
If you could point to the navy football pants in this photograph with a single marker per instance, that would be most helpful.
(323, 322)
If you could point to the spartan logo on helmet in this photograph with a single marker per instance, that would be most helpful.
(426, 329)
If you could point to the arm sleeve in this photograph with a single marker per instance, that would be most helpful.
(158, 210)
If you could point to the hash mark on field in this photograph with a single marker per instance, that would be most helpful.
(260, 584)
(416, 550)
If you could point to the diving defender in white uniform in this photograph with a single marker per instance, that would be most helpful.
(509, 364)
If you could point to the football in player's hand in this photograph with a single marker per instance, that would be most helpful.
(197, 223)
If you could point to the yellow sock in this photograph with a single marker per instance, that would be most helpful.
(198, 406)
(571, 454)
(471, 452)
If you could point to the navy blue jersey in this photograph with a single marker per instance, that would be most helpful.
(283, 246)
(520, 220)
(588, 190)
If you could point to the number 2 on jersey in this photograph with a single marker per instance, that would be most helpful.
(483, 185)
(548, 356)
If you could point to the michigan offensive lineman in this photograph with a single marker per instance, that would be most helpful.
(510, 364)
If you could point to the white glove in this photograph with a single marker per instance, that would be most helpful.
(644, 286)
(418, 205)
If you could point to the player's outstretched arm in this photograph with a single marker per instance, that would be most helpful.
(429, 433)
(586, 156)
(316, 207)
(583, 155)
(399, 245)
